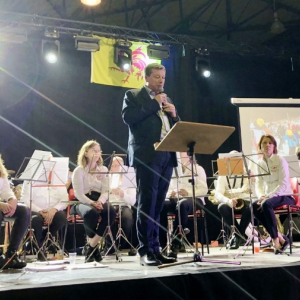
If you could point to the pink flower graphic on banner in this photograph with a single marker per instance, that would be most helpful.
(137, 67)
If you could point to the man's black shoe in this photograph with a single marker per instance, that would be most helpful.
(149, 259)
(164, 259)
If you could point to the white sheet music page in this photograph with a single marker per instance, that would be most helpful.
(128, 178)
(60, 171)
(35, 169)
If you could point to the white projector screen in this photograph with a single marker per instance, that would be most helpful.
(278, 117)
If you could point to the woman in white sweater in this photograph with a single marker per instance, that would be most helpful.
(91, 186)
(10, 208)
(271, 189)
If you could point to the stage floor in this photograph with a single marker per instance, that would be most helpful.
(129, 268)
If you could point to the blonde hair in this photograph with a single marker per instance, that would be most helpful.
(82, 160)
(3, 171)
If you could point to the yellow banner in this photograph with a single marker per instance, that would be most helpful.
(105, 71)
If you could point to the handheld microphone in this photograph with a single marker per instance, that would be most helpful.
(160, 90)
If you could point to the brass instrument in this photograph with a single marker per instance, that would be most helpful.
(240, 204)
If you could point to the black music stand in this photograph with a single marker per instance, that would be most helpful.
(121, 234)
(195, 138)
(107, 231)
(246, 159)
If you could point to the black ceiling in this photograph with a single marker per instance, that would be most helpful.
(219, 25)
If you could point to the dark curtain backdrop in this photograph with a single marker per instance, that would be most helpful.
(63, 127)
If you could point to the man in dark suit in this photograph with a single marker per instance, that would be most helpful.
(150, 114)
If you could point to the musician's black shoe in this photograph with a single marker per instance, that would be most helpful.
(149, 259)
(164, 259)
(172, 254)
(284, 246)
(132, 252)
(88, 253)
(14, 261)
(97, 255)
(177, 244)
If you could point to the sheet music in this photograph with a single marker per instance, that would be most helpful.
(178, 168)
(294, 167)
(128, 178)
(35, 169)
(60, 172)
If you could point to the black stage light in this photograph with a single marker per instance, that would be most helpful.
(123, 55)
(87, 43)
(51, 50)
(203, 66)
(158, 52)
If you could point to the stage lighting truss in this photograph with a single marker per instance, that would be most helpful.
(123, 55)
(158, 52)
(51, 50)
(87, 43)
(51, 32)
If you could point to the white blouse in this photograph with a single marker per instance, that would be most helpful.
(5, 190)
(201, 188)
(84, 182)
(278, 182)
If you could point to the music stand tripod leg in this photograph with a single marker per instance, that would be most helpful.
(121, 234)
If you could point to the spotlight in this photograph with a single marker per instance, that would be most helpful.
(91, 2)
(123, 55)
(50, 50)
(158, 52)
(87, 43)
(203, 66)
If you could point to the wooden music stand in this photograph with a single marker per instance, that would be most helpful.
(195, 138)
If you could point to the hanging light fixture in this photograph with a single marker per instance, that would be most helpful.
(277, 27)
(91, 2)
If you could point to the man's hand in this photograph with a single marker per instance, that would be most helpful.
(183, 192)
(118, 192)
(261, 199)
(234, 202)
(170, 109)
(161, 98)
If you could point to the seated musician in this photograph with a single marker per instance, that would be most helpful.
(19, 213)
(272, 190)
(124, 196)
(91, 185)
(228, 191)
(48, 204)
(181, 197)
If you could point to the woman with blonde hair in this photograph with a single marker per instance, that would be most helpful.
(91, 186)
(10, 208)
